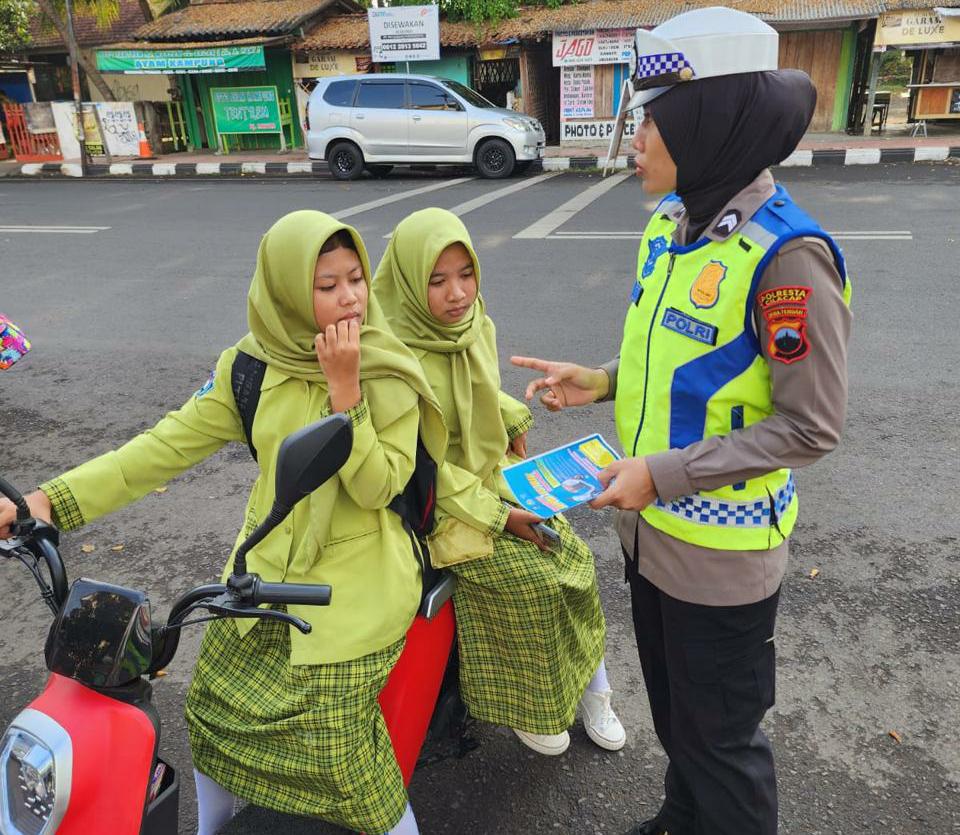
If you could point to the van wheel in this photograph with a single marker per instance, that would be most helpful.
(345, 161)
(379, 171)
(495, 159)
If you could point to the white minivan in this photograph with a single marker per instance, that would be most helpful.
(374, 121)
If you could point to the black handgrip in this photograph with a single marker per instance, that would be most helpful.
(298, 593)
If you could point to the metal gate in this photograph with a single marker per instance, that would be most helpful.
(27, 146)
(494, 79)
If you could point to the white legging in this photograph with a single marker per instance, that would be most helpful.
(216, 806)
(599, 682)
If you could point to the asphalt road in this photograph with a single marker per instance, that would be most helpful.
(127, 320)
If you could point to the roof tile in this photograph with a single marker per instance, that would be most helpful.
(132, 16)
(242, 19)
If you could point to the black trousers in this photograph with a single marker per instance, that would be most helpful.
(709, 673)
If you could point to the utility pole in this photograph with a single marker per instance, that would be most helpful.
(77, 98)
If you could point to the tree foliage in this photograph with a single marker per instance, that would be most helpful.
(14, 23)
(478, 11)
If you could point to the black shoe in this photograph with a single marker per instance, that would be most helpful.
(650, 827)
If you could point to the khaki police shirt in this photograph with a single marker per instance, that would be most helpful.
(810, 399)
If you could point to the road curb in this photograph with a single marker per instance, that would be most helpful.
(172, 169)
(309, 168)
(798, 159)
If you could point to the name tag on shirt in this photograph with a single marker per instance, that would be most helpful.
(679, 322)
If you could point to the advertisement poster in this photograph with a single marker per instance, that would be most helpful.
(563, 478)
(246, 109)
(592, 46)
(576, 93)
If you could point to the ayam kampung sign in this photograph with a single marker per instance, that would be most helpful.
(181, 61)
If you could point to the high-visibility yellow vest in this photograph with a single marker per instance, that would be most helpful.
(691, 365)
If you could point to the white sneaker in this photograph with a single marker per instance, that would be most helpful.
(550, 745)
(601, 722)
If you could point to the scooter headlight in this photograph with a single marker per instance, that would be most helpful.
(34, 756)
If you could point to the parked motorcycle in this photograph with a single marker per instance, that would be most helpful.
(84, 756)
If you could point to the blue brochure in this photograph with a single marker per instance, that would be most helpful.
(555, 481)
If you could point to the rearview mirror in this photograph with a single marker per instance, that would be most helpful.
(310, 456)
(307, 458)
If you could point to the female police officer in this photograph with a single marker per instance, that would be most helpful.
(732, 370)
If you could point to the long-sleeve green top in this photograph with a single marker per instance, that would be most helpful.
(343, 534)
(460, 493)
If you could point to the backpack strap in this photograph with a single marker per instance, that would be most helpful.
(246, 376)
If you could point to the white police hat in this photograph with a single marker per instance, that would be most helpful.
(699, 44)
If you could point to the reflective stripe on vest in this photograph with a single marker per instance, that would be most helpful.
(691, 367)
(702, 510)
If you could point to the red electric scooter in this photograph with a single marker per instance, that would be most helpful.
(83, 757)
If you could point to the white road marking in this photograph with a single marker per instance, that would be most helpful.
(395, 198)
(56, 230)
(543, 227)
(491, 196)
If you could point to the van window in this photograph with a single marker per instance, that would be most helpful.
(380, 94)
(472, 96)
(340, 93)
(430, 97)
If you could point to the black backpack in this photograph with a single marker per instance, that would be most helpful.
(416, 505)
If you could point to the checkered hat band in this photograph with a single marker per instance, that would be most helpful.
(706, 511)
(649, 66)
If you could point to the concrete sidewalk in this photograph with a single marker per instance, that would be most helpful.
(892, 145)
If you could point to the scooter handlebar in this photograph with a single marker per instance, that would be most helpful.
(302, 594)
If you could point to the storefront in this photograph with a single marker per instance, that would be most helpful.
(574, 72)
(932, 38)
(235, 96)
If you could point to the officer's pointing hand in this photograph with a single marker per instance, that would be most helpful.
(569, 384)
(633, 489)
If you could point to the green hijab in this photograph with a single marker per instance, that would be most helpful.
(282, 324)
(470, 346)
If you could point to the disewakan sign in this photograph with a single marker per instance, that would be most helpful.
(404, 33)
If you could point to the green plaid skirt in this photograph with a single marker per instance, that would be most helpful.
(305, 740)
(531, 631)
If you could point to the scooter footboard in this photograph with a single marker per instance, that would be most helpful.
(162, 814)
(408, 699)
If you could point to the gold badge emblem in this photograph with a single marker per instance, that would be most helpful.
(706, 289)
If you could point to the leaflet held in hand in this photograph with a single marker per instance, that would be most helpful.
(556, 481)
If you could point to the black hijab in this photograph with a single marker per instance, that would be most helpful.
(723, 131)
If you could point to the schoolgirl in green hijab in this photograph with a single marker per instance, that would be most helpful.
(280, 719)
(529, 622)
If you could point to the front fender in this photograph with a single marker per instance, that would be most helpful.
(490, 131)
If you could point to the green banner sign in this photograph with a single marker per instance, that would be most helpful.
(154, 61)
(245, 109)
